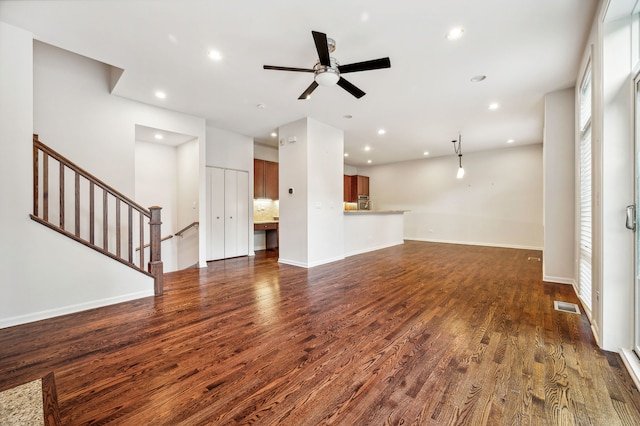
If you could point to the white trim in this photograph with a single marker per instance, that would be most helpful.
(470, 243)
(37, 316)
(368, 249)
(595, 332)
(559, 280)
(310, 265)
(632, 363)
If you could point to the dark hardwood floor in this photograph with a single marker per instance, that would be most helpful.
(421, 333)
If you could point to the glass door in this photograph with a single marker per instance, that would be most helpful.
(632, 218)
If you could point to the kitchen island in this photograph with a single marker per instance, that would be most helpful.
(368, 230)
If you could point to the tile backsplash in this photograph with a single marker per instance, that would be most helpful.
(265, 210)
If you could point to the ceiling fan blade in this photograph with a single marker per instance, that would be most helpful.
(350, 88)
(374, 64)
(322, 47)
(274, 67)
(307, 93)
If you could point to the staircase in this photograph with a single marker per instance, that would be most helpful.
(75, 203)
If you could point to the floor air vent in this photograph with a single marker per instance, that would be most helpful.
(571, 308)
(537, 259)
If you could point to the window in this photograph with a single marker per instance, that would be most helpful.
(585, 253)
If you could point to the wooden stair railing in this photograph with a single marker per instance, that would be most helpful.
(177, 234)
(121, 219)
(186, 228)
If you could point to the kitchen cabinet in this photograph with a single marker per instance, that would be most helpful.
(265, 179)
(355, 185)
(349, 189)
(362, 185)
(227, 213)
(270, 228)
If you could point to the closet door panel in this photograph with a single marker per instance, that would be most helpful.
(215, 213)
(242, 213)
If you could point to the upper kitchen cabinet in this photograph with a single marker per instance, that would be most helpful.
(265, 179)
(350, 195)
(362, 185)
(355, 185)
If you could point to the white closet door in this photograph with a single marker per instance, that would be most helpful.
(216, 213)
(242, 213)
(231, 216)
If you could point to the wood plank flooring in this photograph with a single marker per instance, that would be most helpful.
(417, 334)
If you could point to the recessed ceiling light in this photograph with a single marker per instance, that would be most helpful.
(455, 33)
(510, 141)
(161, 95)
(348, 116)
(214, 55)
(367, 148)
(382, 131)
(478, 78)
(346, 154)
(274, 134)
(369, 161)
(158, 136)
(494, 106)
(426, 153)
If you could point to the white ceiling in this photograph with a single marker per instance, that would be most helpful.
(526, 48)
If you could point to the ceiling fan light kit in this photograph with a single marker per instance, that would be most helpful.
(327, 70)
(327, 76)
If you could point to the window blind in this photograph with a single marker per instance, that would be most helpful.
(585, 254)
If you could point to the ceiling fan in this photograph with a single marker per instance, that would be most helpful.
(327, 70)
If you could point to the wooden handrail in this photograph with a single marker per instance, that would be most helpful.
(44, 148)
(186, 228)
(114, 205)
(168, 237)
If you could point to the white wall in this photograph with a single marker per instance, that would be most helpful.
(497, 203)
(263, 152)
(311, 219)
(325, 165)
(350, 170)
(188, 209)
(156, 184)
(292, 172)
(65, 99)
(559, 187)
(228, 150)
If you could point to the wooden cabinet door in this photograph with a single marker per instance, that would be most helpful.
(350, 195)
(270, 180)
(258, 179)
(363, 185)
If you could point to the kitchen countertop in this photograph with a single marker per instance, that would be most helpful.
(258, 222)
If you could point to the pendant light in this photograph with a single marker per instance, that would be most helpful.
(457, 147)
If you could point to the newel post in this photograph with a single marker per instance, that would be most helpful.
(155, 260)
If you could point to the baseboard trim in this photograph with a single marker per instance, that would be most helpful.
(471, 243)
(380, 247)
(559, 280)
(38, 316)
(632, 364)
(309, 265)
